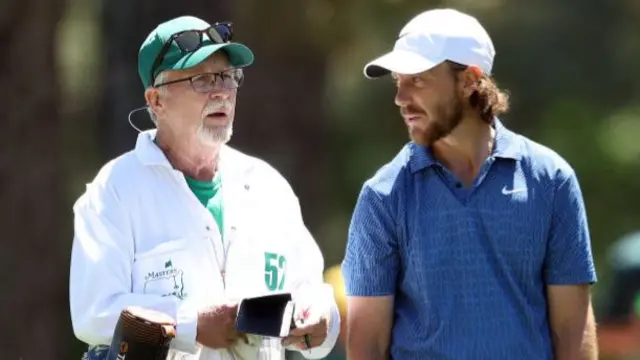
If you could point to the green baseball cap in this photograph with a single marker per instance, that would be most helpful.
(175, 59)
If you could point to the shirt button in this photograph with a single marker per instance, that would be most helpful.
(208, 228)
(458, 185)
(246, 186)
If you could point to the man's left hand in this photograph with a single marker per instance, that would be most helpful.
(316, 332)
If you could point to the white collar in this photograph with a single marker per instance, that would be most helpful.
(148, 151)
(150, 154)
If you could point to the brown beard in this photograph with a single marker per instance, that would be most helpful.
(448, 116)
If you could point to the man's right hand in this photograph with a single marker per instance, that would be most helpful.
(217, 326)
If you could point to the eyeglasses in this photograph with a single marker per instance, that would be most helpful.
(192, 40)
(206, 82)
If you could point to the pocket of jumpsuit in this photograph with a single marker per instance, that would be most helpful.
(165, 269)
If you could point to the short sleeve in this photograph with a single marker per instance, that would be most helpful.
(370, 266)
(569, 259)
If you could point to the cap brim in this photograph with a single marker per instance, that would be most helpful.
(239, 56)
(398, 61)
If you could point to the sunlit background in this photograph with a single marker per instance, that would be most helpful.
(68, 80)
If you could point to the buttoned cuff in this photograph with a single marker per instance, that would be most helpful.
(186, 331)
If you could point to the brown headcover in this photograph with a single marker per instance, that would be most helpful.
(142, 334)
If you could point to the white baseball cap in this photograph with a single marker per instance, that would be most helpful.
(433, 37)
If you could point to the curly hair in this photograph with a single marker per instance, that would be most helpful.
(490, 100)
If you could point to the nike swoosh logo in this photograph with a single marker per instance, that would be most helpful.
(506, 191)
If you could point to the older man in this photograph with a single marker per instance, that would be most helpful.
(472, 243)
(188, 226)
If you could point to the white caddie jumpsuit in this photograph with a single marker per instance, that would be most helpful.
(143, 238)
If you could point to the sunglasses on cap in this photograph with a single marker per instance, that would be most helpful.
(192, 40)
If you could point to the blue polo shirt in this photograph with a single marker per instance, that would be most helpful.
(469, 266)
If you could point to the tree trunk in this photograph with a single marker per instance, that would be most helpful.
(281, 106)
(34, 309)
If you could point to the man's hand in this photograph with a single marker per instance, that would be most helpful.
(217, 326)
(315, 332)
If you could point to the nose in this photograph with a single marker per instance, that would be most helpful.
(220, 94)
(403, 97)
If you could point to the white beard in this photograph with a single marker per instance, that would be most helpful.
(215, 135)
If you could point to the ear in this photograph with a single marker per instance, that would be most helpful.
(152, 97)
(470, 78)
